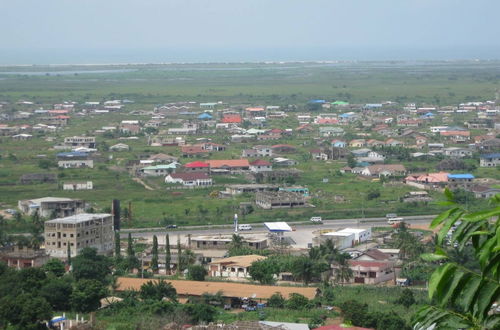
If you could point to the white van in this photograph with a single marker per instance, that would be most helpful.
(316, 219)
(244, 227)
(393, 221)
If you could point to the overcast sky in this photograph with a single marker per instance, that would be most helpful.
(384, 28)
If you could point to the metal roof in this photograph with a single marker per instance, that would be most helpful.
(461, 176)
(277, 226)
(82, 217)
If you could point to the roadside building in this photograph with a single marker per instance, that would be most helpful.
(223, 241)
(234, 268)
(279, 199)
(79, 231)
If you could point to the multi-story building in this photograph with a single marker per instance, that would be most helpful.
(52, 206)
(78, 232)
(460, 181)
(80, 141)
(489, 160)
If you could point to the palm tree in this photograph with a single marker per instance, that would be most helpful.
(236, 241)
(343, 274)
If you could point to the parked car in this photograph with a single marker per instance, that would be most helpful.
(244, 227)
(250, 308)
(391, 215)
(316, 219)
(171, 226)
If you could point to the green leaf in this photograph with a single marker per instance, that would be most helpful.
(469, 291)
(440, 218)
(454, 216)
(449, 290)
(432, 257)
(482, 215)
(439, 277)
(486, 297)
(449, 195)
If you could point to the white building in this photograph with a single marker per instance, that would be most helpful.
(360, 235)
(85, 185)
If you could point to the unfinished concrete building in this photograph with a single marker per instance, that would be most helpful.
(279, 199)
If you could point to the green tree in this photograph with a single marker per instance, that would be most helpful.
(91, 266)
(58, 292)
(180, 266)
(68, 255)
(132, 261)
(200, 312)
(406, 298)
(24, 311)
(351, 162)
(55, 266)
(196, 273)
(297, 301)
(168, 256)
(87, 294)
(276, 301)
(154, 259)
(158, 290)
(353, 311)
(343, 272)
(264, 270)
(188, 257)
(118, 251)
(307, 270)
(462, 298)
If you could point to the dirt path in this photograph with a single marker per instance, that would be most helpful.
(143, 183)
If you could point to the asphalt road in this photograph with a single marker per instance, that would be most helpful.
(302, 235)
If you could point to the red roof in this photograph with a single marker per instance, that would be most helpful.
(254, 109)
(62, 117)
(196, 164)
(228, 119)
(260, 162)
(228, 163)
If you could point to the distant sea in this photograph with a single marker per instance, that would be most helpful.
(133, 56)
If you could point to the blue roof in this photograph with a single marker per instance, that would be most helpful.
(496, 155)
(346, 115)
(205, 116)
(461, 176)
(317, 101)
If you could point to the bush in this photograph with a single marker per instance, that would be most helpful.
(298, 301)
(276, 300)
(196, 273)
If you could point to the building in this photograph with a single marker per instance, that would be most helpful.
(228, 165)
(51, 206)
(33, 178)
(79, 231)
(197, 166)
(384, 170)
(82, 185)
(81, 163)
(237, 189)
(489, 160)
(360, 235)
(159, 170)
(193, 179)
(279, 199)
(23, 257)
(222, 241)
(455, 152)
(341, 240)
(371, 272)
(260, 165)
(484, 191)
(460, 181)
(119, 147)
(234, 268)
(80, 141)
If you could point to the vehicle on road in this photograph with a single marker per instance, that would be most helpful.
(391, 215)
(171, 226)
(316, 219)
(244, 227)
(393, 221)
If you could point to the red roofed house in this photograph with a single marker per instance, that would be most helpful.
(189, 179)
(256, 112)
(193, 151)
(260, 165)
(231, 119)
(456, 136)
(228, 165)
(283, 148)
(196, 166)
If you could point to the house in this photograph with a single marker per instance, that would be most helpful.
(263, 151)
(255, 112)
(197, 166)
(195, 179)
(384, 170)
(249, 153)
(338, 144)
(283, 148)
(357, 143)
(76, 163)
(456, 135)
(378, 255)
(318, 154)
(80, 141)
(159, 170)
(85, 230)
(22, 137)
(393, 143)
(260, 165)
(372, 157)
(331, 131)
(234, 267)
(281, 161)
(484, 191)
(194, 151)
(33, 178)
(20, 257)
(231, 119)
(489, 160)
(47, 207)
(279, 199)
(460, 181)
(370, 272)
(434, 179)
(456, 152)
(78, 185)
(238, 189)
(119, 147)
(341, 240)
(163, 158)
(228, 165)
(374, 143)
(491, 145)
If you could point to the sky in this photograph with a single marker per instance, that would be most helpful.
(88, 31)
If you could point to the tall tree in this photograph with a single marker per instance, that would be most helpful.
(463, 297)
(118, 252)
(68, 255)
(132, 261)
(180, 266)
(154, 259)
(130, 246)
(168, 256)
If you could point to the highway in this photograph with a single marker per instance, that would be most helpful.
(302, 235)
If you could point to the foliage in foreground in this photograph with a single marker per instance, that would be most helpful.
(463, 297)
